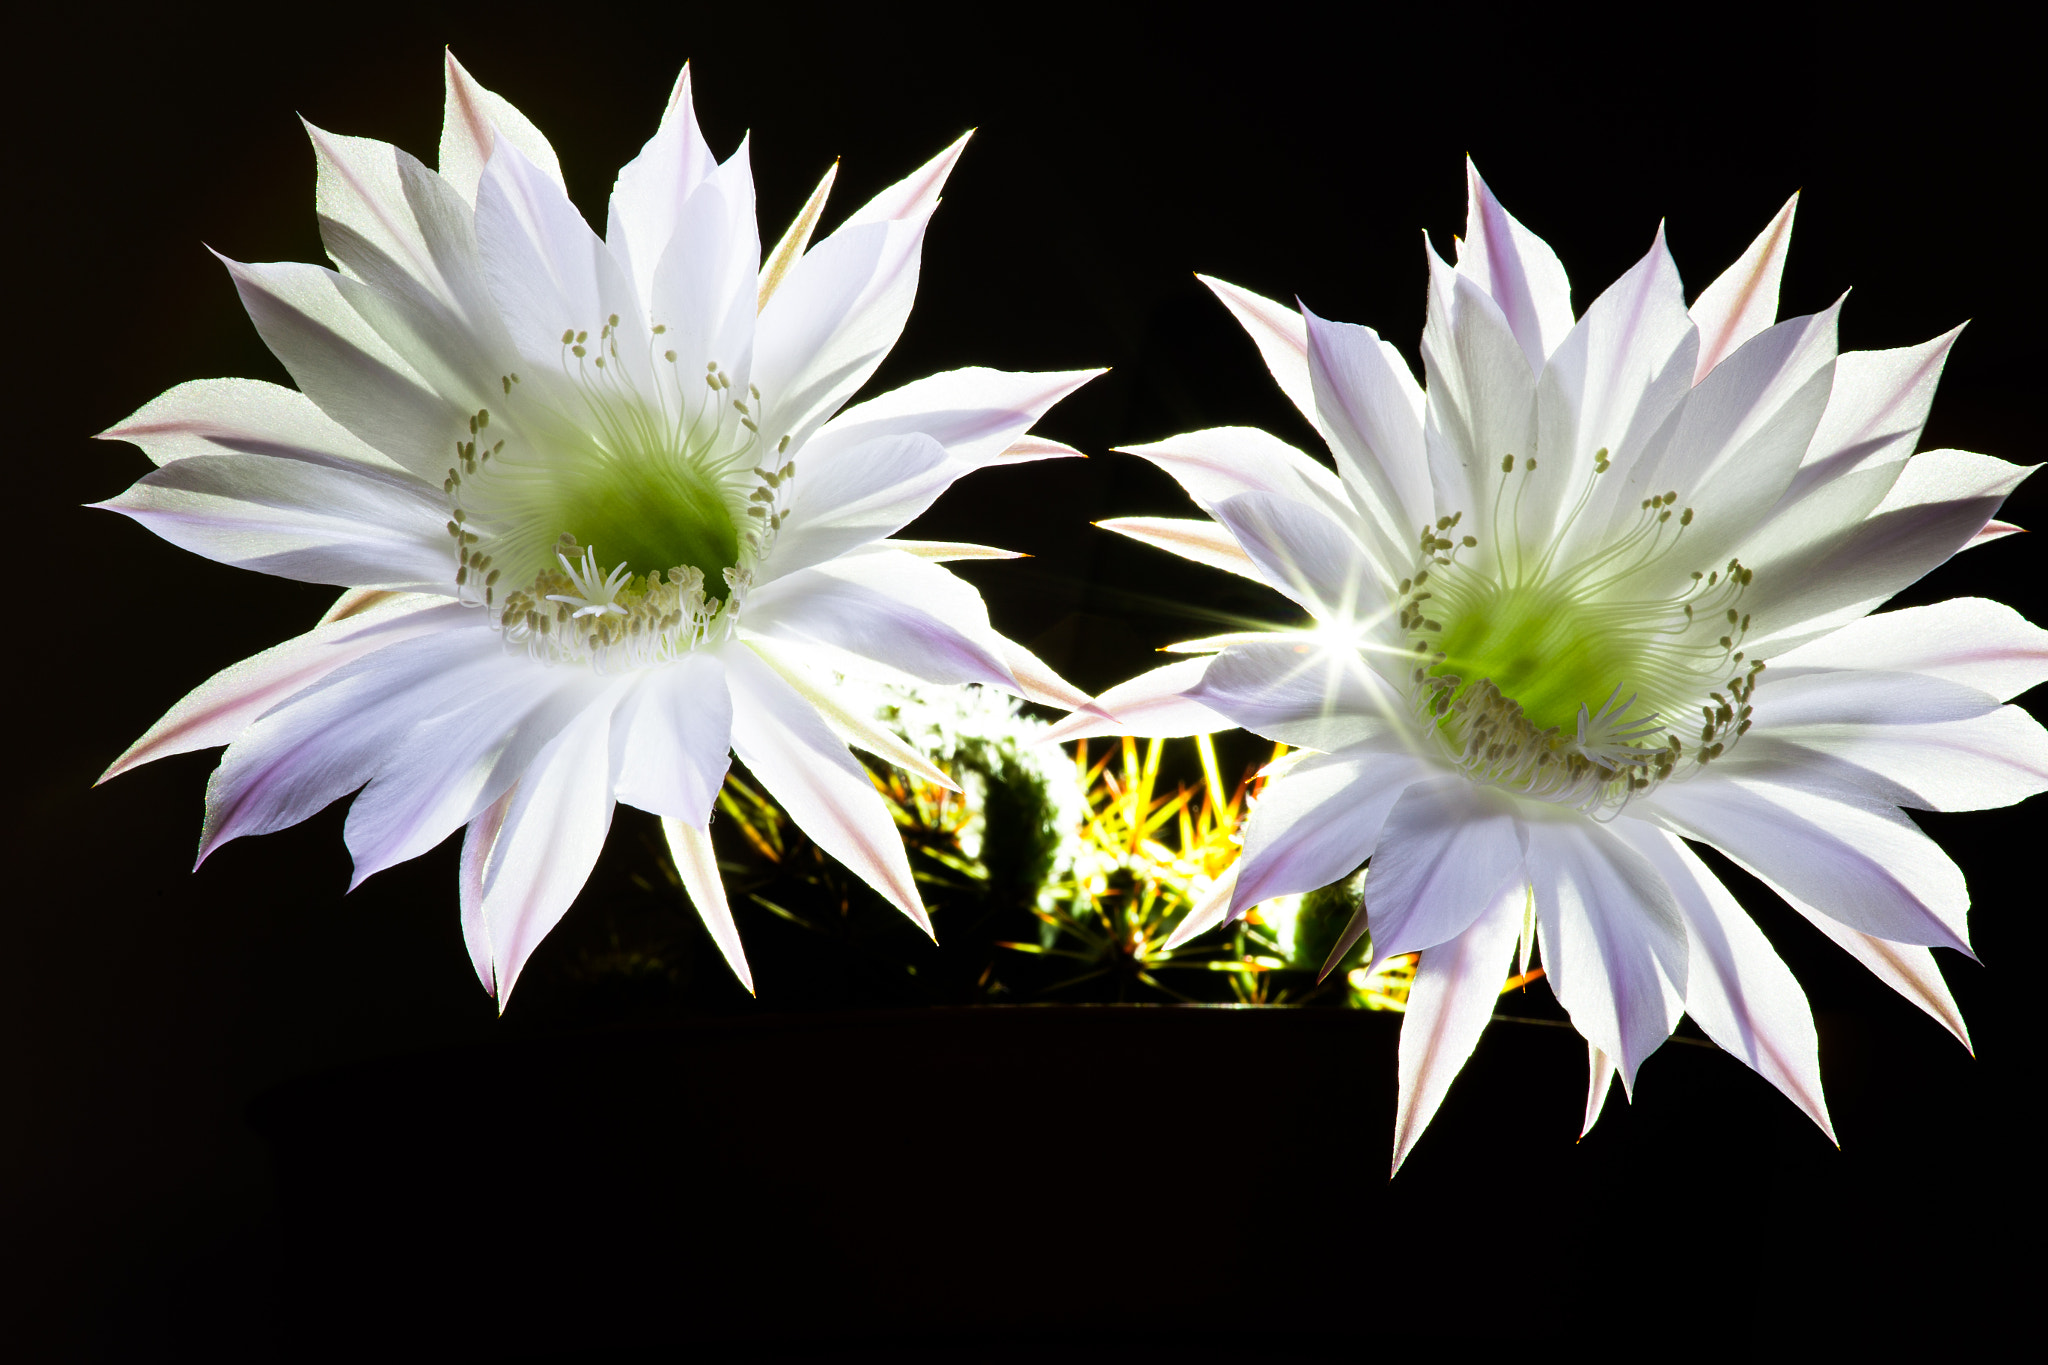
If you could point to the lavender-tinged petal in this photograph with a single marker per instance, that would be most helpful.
(1449, 1004)
(1613, 940)
(1152, 705)
(1317, 823)
(1446, 850)
(1968, 640)
(1864, 863)
(697, 864)
(549, 841)
(672, 736)
(1737, 989)
(1517, 269)
(809, 773)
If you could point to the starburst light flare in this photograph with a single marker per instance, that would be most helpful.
(1601, 589)
(600, 517)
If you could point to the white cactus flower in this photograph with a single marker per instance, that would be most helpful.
(1603, 588)
(600, 516)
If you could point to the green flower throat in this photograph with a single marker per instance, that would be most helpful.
(1567, 682)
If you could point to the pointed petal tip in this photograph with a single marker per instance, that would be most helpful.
(1404, 1143)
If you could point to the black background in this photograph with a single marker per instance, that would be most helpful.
(1117, 152)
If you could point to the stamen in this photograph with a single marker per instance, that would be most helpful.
(1503, 626)
(627, 458)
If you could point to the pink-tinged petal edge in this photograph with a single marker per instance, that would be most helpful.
(697, 865)
(1744, 300)
(1449, 1005)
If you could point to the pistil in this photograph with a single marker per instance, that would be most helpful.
(1510, 652)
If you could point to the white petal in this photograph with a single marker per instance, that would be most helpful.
(332, 737)
(1204, 542)
(1517, 268)
(1310, 557)
(1208, 912)
(342, 364)
(1904, 738)
(841, 306)
(1449, 1004)
(1969, 640)
(1613, 941)
(893, 608)
(1736, 988)
(1941, 500)
(1315, 824)
(1482, 396)
(1152, 705)
(549, 272)
(406, 246)
(1599, 1080)
(976, 414)
(319, 523)
(1218, 464)
(697, 864)
(942, 551)
(356, 601)
(1280, 335)
(1865, 864)
(474, 122)
(1609, 385)
(553, 831)
(862, 731)
(476, 850)
(859, 495)
(1037, 682)
(1448, 849)
(218, 416)
(1026, 449)
(1744, 300)
(652, 190)
(1993, 530)
(810, 775)
(914, 196)
(451, 766)
(704, 282)
(1216, 644)
(221, 708)
(1834, 702)
(1300, 694)
(393, 224)
(1907, 968)
(1371, 412)
(1733, 444)
(1876, 409)
(676, 732)
(834, 316)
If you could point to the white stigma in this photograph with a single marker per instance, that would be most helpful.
(596, 593)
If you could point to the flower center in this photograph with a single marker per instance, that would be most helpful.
(1567, 682)
(661, 479)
